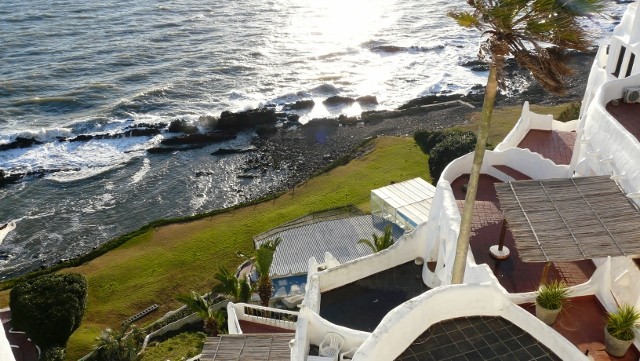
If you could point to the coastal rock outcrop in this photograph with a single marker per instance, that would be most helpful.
(182, 126)
(246, 119)
(205, 138)
(367, 100)
(305, 104)
(20, 142)
(338, 100)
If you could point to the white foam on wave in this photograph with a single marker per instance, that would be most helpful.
(7, 228)
(139, 175)
(41, 135)
(76, 160)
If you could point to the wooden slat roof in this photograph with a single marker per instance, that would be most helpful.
(248, 347)
(570, 219)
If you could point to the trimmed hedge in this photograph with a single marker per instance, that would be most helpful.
(453, 146)
(49, 308)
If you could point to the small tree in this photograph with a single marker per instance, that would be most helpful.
(239, 290)
(379, 243)
(453, 146)
(264, 259)
(202, 307)
(118, 345)
(49, 308)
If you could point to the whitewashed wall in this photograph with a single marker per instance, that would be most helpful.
(236, 313)
(399, 328)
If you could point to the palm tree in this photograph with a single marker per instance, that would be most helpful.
(202, 307)
(536, 33)
(118, 345)
(379, 243)
(238, 290)
(264, 258)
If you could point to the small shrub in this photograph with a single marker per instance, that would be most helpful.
(621, 324)
(552, 295)
(427, 139)
(52, 354)
(571, 112)
(453, 146)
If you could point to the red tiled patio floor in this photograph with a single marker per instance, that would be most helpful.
(252, 327)
(514, 274)
(582, 323)
(554, 145)
(626, 115)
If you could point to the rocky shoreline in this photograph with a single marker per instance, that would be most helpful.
(283, 142)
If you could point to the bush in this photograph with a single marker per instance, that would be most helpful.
(571, 112)
(427, 139)
(52, 354)
(49, 308)
(453, 146)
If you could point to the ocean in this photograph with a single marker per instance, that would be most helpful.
(93, 67)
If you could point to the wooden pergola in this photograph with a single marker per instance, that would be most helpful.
(570, 219)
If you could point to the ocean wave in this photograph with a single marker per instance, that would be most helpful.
(41, 135)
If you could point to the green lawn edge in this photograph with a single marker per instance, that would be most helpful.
(158, 261)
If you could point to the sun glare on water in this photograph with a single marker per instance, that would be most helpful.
(331, 25)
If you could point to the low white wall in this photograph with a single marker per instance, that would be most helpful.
(407, 248)
(399, 328)
(605, 147)
(236, 313)
(312, 329)
(5, 347)
(523, 160)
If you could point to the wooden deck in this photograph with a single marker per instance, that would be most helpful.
(248, 347)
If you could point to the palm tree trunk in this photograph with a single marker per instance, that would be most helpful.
(462, 246)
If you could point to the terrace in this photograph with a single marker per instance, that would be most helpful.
(518, 276)
(361, 305)
(626, 114)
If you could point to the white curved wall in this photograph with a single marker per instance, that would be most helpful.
(399, 328)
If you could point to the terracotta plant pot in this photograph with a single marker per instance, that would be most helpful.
(615, 347)
(546, 315)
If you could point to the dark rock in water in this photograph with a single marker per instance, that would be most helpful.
(246, 119)
(321, 122)
(164, 150)
(367, 100)
(337, 100)
(247, 176)
(307, 104)
(20, 142)
(294, 118)
(430, 99)
(345, 120)
(225, 151)
(266, 131)
(141, 132)
(182, 126)
(211, 137)
(81, 138)
(387, 48)
(203, 173)
(160, 125)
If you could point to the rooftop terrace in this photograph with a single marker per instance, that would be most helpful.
(626, 114)
(476, 339)
(361, 305)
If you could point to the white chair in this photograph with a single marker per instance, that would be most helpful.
(331, 345)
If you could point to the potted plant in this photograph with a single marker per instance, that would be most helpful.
(619, 330)
(551, 297)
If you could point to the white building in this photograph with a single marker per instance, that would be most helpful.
(604, 141)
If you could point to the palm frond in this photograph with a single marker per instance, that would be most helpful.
(196, 303)
(465, 19)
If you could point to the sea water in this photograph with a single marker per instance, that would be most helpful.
(87, 67)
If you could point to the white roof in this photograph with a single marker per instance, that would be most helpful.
(338, 237)
(411, 199)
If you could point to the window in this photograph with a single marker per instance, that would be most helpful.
(632, 58)
(619, 64)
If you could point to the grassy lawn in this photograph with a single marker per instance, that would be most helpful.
(181, 347)
(157, 265)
